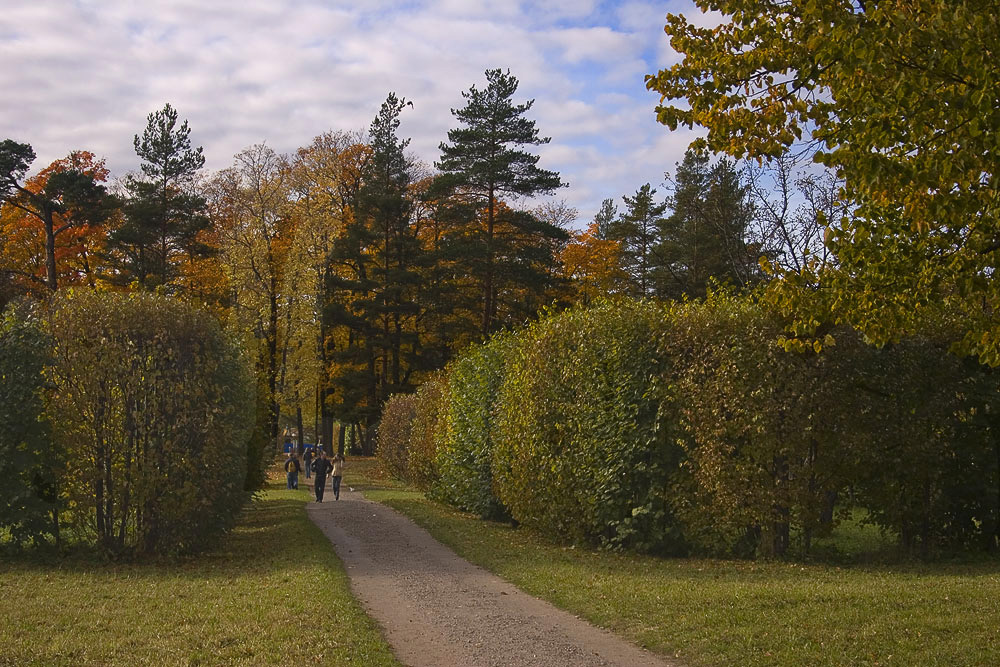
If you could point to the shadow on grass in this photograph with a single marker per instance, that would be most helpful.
(269, 535)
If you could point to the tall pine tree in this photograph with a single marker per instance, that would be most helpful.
(638, 231)
(481, 164)
(370, 307)
(164, 215)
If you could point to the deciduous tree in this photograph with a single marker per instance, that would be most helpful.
(52, 215)
(900, 99)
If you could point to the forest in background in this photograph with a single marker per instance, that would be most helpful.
(354, 270)
(845, 186)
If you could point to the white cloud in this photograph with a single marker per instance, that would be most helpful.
(85, 75)
(598, 44)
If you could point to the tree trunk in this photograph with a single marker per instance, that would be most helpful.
(99, 498)
(272, 362)
(298, 426)
(50, 250)
(925, 522)
(994, 539)
(488, 286)
(780, 529)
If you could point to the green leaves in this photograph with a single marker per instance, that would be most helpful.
(153, 405)
(28, 457)
(687, 427)
(465, 455)
(901, 99)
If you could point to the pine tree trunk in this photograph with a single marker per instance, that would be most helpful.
(50, 251)
(488, 287)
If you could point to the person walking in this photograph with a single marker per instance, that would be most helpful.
(307, 459)
(336, 473)
(321, 467)
(293, 469)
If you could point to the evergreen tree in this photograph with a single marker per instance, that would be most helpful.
(704, 238)
(481, 164)
(163, 214)
(605, 219)
(371, 304)
(386, 202)
(638, 231)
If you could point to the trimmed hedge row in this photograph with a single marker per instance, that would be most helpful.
(464, 457)
(684, 428)
(582, 446)
(393, 438)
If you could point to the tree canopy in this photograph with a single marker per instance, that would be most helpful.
(900, 99)
(164, 216)
(484, 160)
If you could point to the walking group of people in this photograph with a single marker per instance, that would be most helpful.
(321, 465)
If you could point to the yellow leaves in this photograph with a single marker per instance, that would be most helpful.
(594, 264)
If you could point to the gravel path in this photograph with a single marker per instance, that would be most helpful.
(439, 610)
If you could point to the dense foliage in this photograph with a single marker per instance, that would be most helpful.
(900, 99)
(465, 452)
(152, 404)
(687, 428)
(507, 251)
(583, 447)
(429, 415)
(29, 460)
(393, 439)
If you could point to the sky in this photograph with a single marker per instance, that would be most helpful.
(85, 74)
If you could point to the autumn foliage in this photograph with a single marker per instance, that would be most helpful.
(685, 429)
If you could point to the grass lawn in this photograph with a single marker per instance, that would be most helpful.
(716, 612)
(273, 592)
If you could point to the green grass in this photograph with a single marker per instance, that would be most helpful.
(273, 592)
(717, 612)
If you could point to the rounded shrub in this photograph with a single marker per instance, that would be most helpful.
(153, 404)
(393, 438)
(429, 410)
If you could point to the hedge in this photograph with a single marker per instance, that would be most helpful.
(584, 449)
(686, 428)
(153, 405)
(393, 438)
(426, 430)
(465, 454)
(29, 460)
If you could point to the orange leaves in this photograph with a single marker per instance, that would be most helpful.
(38, 225)
(594, 264)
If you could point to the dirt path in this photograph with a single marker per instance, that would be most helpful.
(439, 610)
